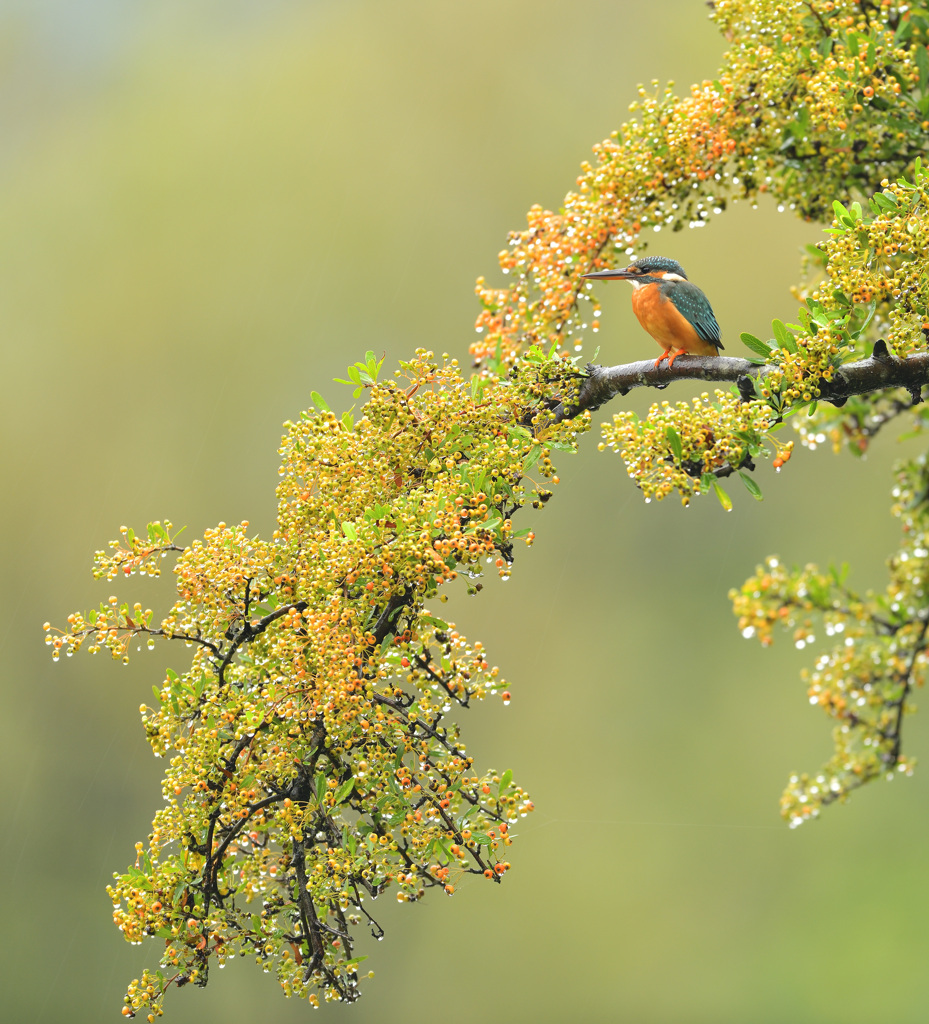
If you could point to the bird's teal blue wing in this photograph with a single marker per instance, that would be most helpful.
(695, 306)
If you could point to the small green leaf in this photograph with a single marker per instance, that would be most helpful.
(349, 530)
(724, 498)
(784, 338)
(320, 787)
(344, 791)
(674, 439)
(505, 781)
(532, 458)
(753, 489)
(319, 401)
(755, 344)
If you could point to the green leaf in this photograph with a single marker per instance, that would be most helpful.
(784, 338)
(505, 779)
(319, 401)
(922, 64)
(349, 530)
(857, 329)
(755, 344)
(753, 489)
(344, 791)
(724, 498)
(674, 439)
(532, 458)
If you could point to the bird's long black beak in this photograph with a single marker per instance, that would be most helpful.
(609, 275)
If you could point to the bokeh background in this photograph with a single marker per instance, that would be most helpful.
(207, 209)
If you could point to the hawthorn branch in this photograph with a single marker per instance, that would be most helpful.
(880, 371)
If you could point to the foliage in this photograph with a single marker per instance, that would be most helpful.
(880, 654)
(312, 765)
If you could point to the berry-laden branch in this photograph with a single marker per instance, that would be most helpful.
(313, 766)
(880, 653)
(880, 371)
(312, 762)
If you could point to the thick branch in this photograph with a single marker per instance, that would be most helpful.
(880, 371)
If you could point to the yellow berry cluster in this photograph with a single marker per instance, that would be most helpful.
(689, 447)
(312, 764)
(878, 655)
(815, 100)
(311, 761)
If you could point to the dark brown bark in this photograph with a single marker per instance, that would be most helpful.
(878, 372)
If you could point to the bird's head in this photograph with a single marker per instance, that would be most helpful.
(648, 270)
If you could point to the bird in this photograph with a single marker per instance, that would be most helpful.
(671, 309)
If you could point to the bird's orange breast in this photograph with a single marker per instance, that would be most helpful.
(665, 323)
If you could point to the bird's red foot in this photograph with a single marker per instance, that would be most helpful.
(679, 352)
(667, 354)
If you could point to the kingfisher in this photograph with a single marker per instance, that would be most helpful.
(673, 311)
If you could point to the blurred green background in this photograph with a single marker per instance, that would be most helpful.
(207, 209)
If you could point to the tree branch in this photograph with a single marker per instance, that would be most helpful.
(881, 370)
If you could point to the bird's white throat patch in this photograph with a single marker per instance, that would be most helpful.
(665, 276)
